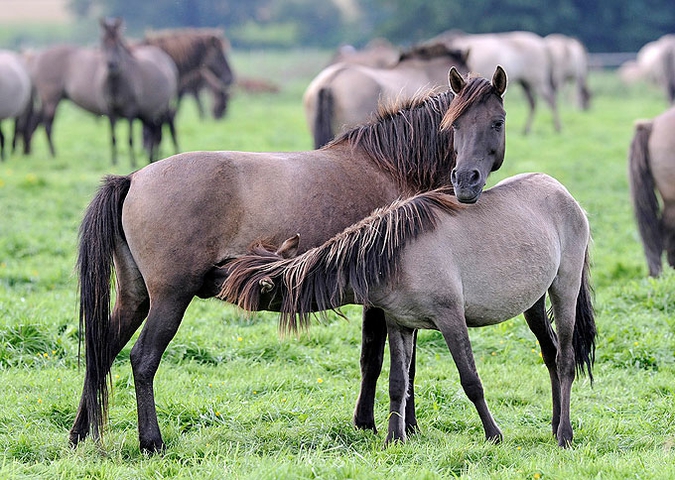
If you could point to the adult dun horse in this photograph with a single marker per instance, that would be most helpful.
(346, 94)
(115, 80)
(199, 55)
(651, 171)
(428, 262)
(168, 228)
(15, 90)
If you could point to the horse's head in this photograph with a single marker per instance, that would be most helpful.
(477, 118)
(220, 76)
(112, 44)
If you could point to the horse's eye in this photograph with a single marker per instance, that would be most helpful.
(498, 125)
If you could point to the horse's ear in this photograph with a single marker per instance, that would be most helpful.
(455, 80)
(500, 80)
(289, 248)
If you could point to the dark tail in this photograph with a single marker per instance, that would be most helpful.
(323, 131)
(669, 68)
(585, 332)
(643, 194)
(99, 232)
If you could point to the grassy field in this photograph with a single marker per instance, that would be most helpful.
(235, 401)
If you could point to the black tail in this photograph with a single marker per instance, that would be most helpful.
(643, 194)
(99, 232)
(585, 332)
(323, 131)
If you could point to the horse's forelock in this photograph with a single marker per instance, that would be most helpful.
(476, 90)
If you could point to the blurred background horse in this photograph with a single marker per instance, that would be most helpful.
(651, 168)
(15, 91)
(569, 62)
(200, 56)
(346, 94)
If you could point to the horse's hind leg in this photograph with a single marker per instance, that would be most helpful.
(373, 338)
(540, 325)
(165, 316)
(452, 325)
(400, 348)
(529, 95)
(668, 229)
(131, 307)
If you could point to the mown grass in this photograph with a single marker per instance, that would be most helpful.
(236, 401)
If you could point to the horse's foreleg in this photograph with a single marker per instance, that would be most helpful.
(113, 139)
(161, 326)
(529, 94)
(550, 99)
(400, 349)
(564, 312)
(132, 154)
(373, 338)
(410, 415)
(540, 325)
(456, 335)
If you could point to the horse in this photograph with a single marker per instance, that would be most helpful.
(166, 229)
(15, 90)
(523, 54)
(651, 172)
(137, 83)
(431, 263)
(346, 94)
(378, 53)
(570, 65)
(200, 56)
(81, 75)
(655, 62)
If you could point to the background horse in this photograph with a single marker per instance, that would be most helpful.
(651, 170)
(655, 63)
(346, 94)
(523, 54)
(138, 83)
(146, 77)
(167, 228)
(15, 90)
(200, 56)
(570, 65)
(428, 263)
(378, 53)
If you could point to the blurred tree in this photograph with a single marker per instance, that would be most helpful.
(603, 25)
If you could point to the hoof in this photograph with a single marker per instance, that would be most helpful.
(153, 448)
(74, 438)
(365, 425)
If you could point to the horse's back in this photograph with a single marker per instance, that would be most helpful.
(187, 213)
(15, 84)
(503, 253)
(83, 80)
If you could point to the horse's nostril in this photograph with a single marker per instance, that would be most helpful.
(475, 176)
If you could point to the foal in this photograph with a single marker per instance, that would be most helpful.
(431, 263)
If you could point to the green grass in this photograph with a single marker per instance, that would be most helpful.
(236, 401)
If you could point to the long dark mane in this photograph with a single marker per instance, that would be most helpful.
(405, 139)
(187, 47)
(366, 254)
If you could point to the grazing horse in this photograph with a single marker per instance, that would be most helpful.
(651, 171)
(523, 54)
(346, 94)
(655, 63)
(168, 228)
(199, 55)
(430, 263)
(15, 90)
(570, 65)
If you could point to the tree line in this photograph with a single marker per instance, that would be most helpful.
(602, 25)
